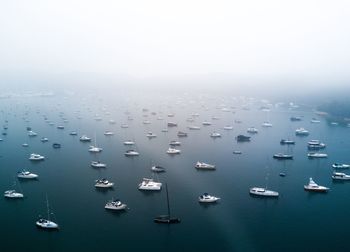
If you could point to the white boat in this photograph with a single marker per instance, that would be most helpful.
(150, 185)
(46, 223)
(252, 130)
(312, 186)
(193, 127)
(129, 142)
(115, 205)
(24, 174)
(215, 135)
(258, 191)
(157, 168)
(340, 166)
(85, 138)
(108, 133)
(228, 127)
(94, 149)
(124, 126)
(301, 132)
(13, 194)
(317, 155)
(314, 120)
(103, 183)
(315, 145)
(202, 165)
(266, 124)
(173, 151)
(340, 176)
(165, 130)
(98, 164)
(36, 157)
(44, 139)
(174, 143)
(32, 133)
(206, 198)
(151, 135)
(73, 133)
(206, 123)
(111, 121)
(25, 145)
(130, 153)
(146, 122)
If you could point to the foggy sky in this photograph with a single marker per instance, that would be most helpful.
(163, 39)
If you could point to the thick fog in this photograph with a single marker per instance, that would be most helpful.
(187, 44)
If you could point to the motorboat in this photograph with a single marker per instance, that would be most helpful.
(340, 176)
(173, 151)
(174, 143)
(252, 130)
(111, 121)
(193, 127)
(129, 142)
(24, 174)
(108, 133)
(206, 198)
(150, 185)
(287, 141)
(243, 138)
(131, 153)
(13, 194)
(98, 164)
(266, 124)
(258, 191)
(317, 155)
(301, 132)
(44, 139)
(215, 135)
(314, 120)
(340, 166)
(60, 127)
(151, 135)
(312, 186)
(56, 145)
(85, 138)
(94, 149)
(315, 145)
(115, 205)
(157, 168)
(237, 152)
(282, 156)
(205, 166)
(172, 124)
(206, 123)
(295, 118)
(181, 134)
(32, 133)
(228, 127)
(103, 183)
(25, 145)
(73, 133)
(36, 157)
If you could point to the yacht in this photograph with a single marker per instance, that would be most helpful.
(13, 194)
(315, 145)
(32, 133)
(266, 124)
(172, 124)
(108, 133)
(85, 138)
(60, 127)
(206, 123)
(282, 156)
(131, 153)
(94, 149)
(151, 135)
(103, 183)
(228, 127)
(73, 133)
(44, 139)
(24, 174)
(46, 223)
(287, 141)
(98, 164)
(36, 157)
(157, 168)
(150, 185)
(317, 155)
(181, 134)
(242, 138)
(25, 145)
(173, 151)
(301, 132)
(115, 205)
(340, 166)
(312, 186)
(174, 143)
(205, 166)
(252, 130)
(215, 135)
(340, 176)
(129, 142)
(206, 198)
(193, 127)
(124, 126)
(314, 120)
(258, 191)
(295, 118)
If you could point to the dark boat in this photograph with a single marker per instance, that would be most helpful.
(243, 138)
(295, 118)
(56, 145)
(182, 134)
(166, 219)
(287, 141)
(282, 156)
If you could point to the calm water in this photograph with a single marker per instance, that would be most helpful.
(296, 221)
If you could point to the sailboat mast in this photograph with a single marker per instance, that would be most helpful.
(167, 198)
(48, 208)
